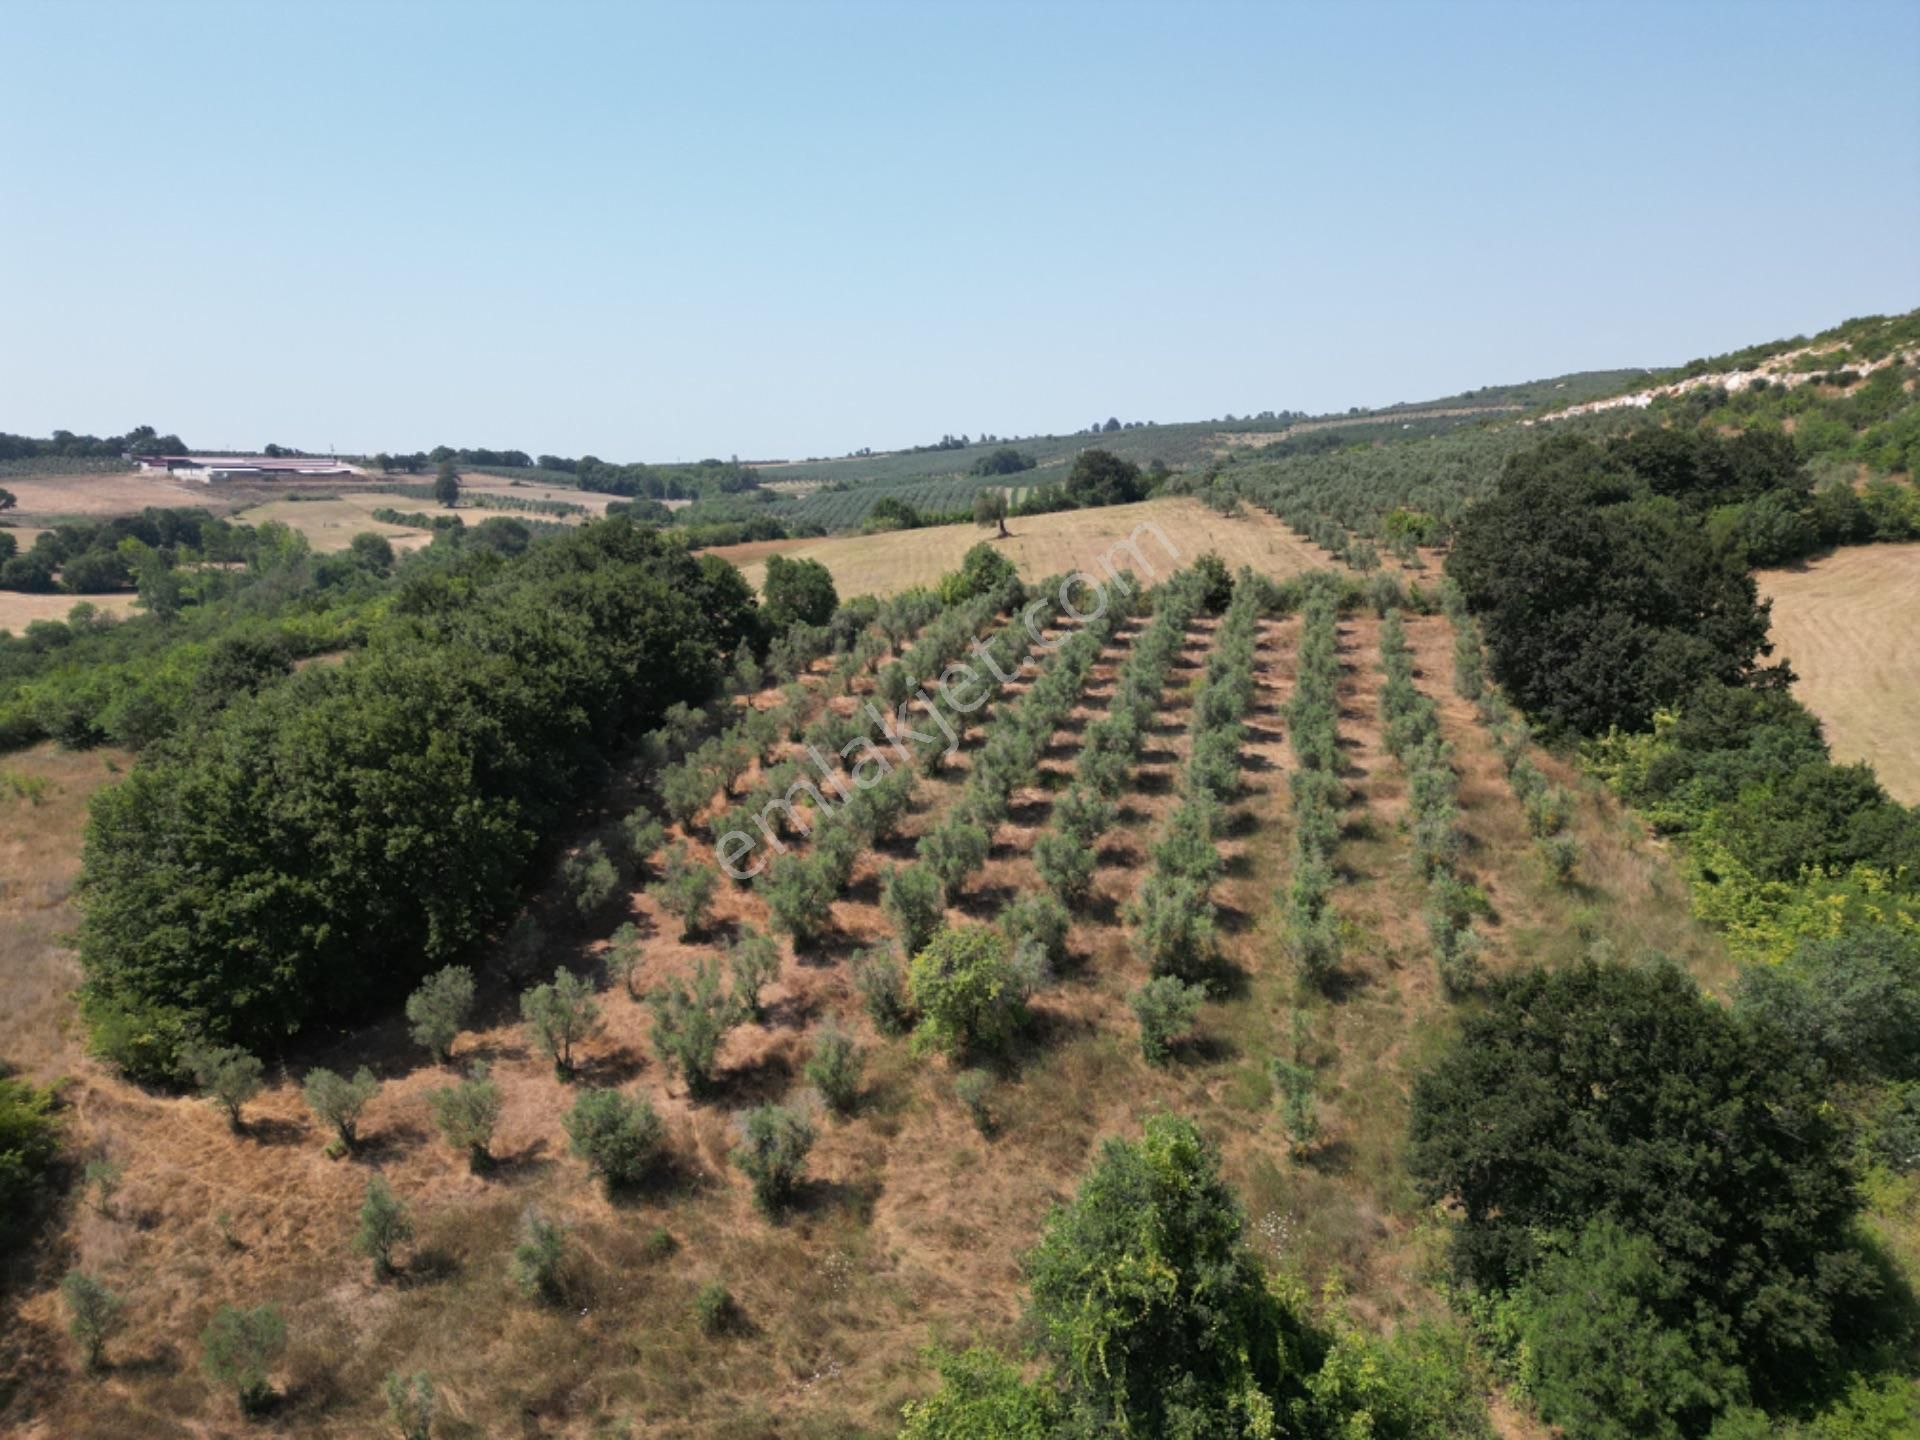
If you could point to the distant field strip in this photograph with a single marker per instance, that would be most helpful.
(1848, 624)
(1042, 545)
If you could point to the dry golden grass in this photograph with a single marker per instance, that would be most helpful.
(911, 1224)
(96, 495)
(1041, 545)
(331, 524)
(17, 610)
(1850, 624)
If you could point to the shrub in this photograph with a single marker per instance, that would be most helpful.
(753, 960)
(538, 1264)
(411, 1402)
(383, 1226)
(685, 889)
(439, 1008)
(981, 1394)
(799, 892)
(1066, 863)
(338, 1101)
(774, 1141)
(1166, 1008)
(617, 1136)
(914, 904)
(589, 877)
(834, 1068)
(965, 990)
(1173, 927)
(1549, 809)
(953, 853)
(623, 956)
(559, 1016)
(1038, 921)
(1296, 1084)
(227, 1075)
(714, 1309)
(876, 975)
(689, 1022)
(103, 1177)
(1560, 857)
(973, 1088)
(238, 1349)
(466, 1114)
(29, 1141)
(93, 1314)
(640, 835)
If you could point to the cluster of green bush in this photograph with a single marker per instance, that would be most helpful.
(1319, 794)
(1173, 914)
(1153, 1316)
(1411, 725)
(29, 1143)
(266, 871)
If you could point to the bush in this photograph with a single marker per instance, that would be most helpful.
(640, 836)
(685, 889)
(337, 1101)
(973, 1088)
(538, 1264)
(953, 853)
(1039, 922)
(753, 960)
(1299, 1112)
(965, 990)
(623, 956)
(589, 877)
(715, 1309)
(834, 1069)
(1066, 864)
(439, 1008)
(411, 1403)
(1167, 1008)
(799, 891)
(689, 1022)
(559, 1016)
(983, 1395)
(29, 1140)
(914, 904)
(618, 1137)
(876, 975)
(466, 1114)
(1559, 857)
(1173, 927)
(227, 1075)
(93, 1315)
(383, 1226)
(238, 1349)
(774, 1141)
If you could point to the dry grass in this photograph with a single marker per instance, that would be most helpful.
(96, 495)
(1042, 545)
(911, 1224)
(330, 524)
(1849, 623)
(18, 610)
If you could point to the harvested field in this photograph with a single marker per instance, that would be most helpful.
(1040, 545)
(18, 610)
(1849, 623)
(594, 500)
(90, 494)
(331, 524)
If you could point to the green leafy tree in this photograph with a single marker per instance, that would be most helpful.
(753, 962)
(990, 508)
(799, 892)
(981, 1394)
(774, 1141)
(438, 1010)
(589, 877)
(384, 1226)
(623, 956)
(339, 1102)
(1066, 864)
(238, 1349)
(882, 987)
(966, 991)
(1570, 1089)
(227, 1075)
(953, 853)
(1150, 1305)
(913, 902)
(1099, 477)
(796, 592)
(446, 485)
(691, 1021)
(559, 1016)
(94, 1315)
(619, 1137)
(685, 889)
(466, 1114)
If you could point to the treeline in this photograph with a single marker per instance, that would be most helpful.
(65, 445)
(328, 840)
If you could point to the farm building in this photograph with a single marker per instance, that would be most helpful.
(213, 468)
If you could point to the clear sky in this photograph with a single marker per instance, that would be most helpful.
(782, 230)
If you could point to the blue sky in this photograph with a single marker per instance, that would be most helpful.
(782, 230)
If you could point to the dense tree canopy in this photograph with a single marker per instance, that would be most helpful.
(334, 837)
(1621, 1094)
(1100, 477)
(797, 592)
(1601, 594)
